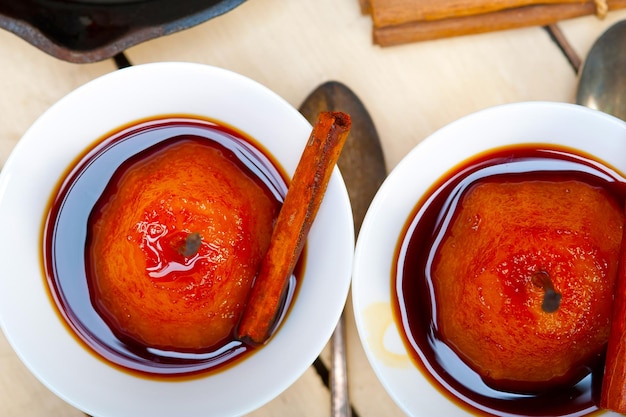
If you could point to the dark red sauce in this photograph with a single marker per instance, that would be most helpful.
(66, 229)
(415, 302)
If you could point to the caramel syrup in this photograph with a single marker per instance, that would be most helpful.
(66, 228)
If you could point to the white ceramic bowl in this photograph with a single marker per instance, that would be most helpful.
(54, 142)
(590, 131)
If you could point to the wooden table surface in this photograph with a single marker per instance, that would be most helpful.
(291, 47)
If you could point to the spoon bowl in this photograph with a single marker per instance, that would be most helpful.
(602, 83)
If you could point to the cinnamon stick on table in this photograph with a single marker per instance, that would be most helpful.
(394, 27)
(296, 216)
(613, 395)
(365, 6)
(396, 12)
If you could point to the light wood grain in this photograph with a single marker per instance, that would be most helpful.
(30, 82)
(291, 47)
(411, 90)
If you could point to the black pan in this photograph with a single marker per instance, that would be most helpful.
(83, 31)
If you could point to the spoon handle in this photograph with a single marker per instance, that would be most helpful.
(339, 400)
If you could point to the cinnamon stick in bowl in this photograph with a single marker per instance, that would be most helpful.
(613, 394)
(294, 221)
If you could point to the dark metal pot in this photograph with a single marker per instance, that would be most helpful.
(83, 31)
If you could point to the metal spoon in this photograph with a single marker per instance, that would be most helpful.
(602, 86)
(362, 166)
(602, 82)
